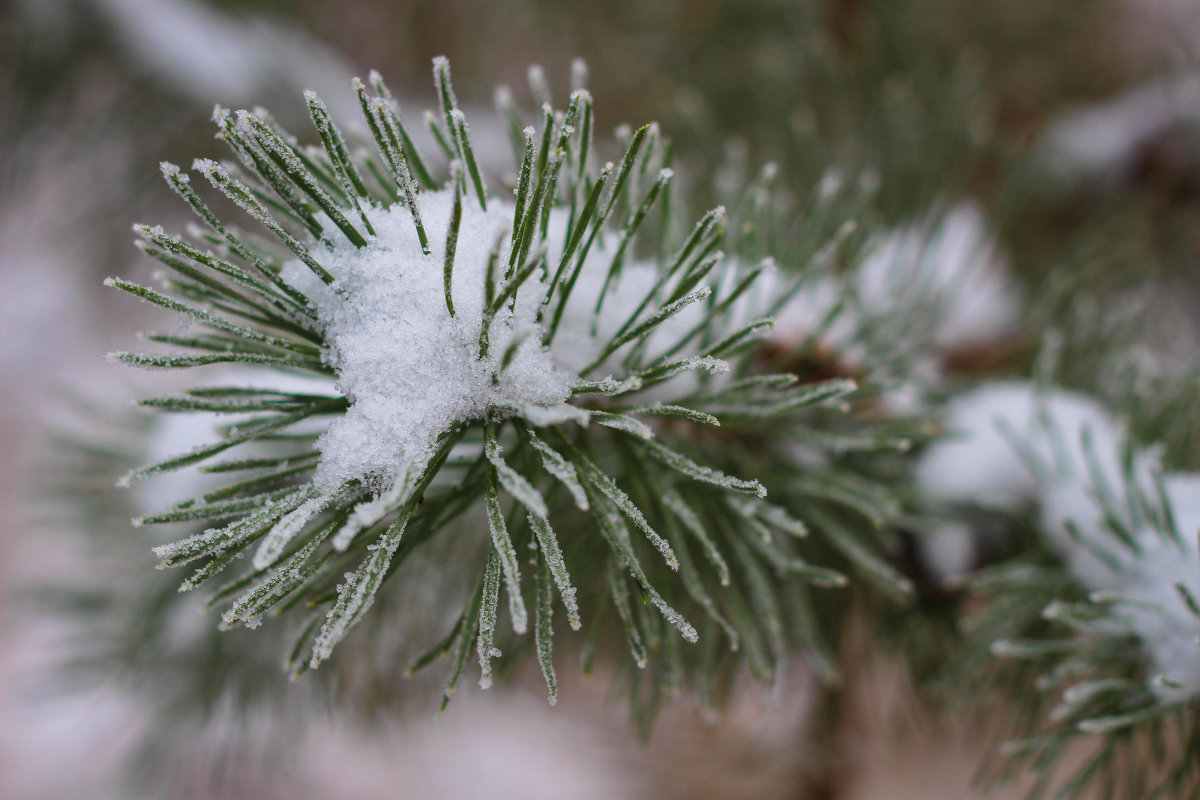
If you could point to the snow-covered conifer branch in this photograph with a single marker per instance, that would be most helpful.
(460, 343)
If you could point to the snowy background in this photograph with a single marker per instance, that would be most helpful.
(1098, 103)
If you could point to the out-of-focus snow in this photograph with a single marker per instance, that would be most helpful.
(994, 431)
(945, 279)
(1101, 142)
(951, 273)
(214, 55)
(1013, 446)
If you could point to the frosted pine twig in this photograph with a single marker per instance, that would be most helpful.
(463, 343)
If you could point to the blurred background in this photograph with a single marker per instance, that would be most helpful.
(1073, 124)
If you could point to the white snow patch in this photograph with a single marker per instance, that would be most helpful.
(804, 312)
(984, 466)
(949, 551)
(583, 334)
(410, 369)
(1101, 142)
(1072, 503)
(1152, 607)
(921, 288)
(978, 463)
(953, 271)
(1169, 630)
(920, 292)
